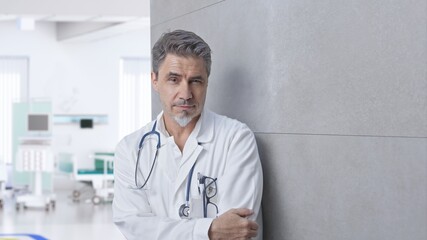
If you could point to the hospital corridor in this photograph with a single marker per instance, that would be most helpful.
(72, 84)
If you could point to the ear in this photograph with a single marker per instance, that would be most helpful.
(154, 81)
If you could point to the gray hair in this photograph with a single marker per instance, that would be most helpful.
(181, 43)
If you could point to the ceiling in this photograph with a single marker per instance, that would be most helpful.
(80, 20)
(69, 18)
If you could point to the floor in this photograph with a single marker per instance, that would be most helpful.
(69, 220)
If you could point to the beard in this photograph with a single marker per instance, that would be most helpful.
(183, 120)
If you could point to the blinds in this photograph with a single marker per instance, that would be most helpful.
(134, 94)
(13, 87)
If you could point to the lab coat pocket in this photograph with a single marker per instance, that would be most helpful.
(196, 207)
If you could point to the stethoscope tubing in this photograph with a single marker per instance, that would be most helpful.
(190, 176)
(153, 131)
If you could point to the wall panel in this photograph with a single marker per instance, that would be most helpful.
(343, 187)
(336, 93)
(350, 66)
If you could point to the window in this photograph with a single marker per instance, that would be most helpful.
(134, 94)
(13, 88)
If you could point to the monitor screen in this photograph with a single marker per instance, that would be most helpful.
(38, 122)
(86, 123)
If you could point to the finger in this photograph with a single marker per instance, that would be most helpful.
(249, 228)
(243, 212)
(253, 225)
(251, 234)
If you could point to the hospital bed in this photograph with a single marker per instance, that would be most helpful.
(3, 179)
(100, 178)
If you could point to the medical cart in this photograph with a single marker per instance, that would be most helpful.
(35, 159)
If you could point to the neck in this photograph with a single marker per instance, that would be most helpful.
(179, 133)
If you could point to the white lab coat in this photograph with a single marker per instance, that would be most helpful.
(223, 148)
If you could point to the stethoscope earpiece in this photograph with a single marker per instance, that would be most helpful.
(184, 211)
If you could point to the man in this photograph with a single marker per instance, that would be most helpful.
(189, 174)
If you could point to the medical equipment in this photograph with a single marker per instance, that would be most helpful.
(97, 181)
(184, 210)
(153, 131)
(36, 160)
(3, 178)
(207, 182)
(101, 178)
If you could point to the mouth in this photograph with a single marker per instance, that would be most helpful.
(185, 107)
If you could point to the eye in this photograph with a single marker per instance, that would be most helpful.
(197, 81)
(172, 79)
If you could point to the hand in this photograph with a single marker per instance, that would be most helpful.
(233, 224)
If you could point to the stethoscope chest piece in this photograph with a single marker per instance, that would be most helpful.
(184, 211)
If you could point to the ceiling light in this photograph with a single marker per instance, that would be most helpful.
(26, 24)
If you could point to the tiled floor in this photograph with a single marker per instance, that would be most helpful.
(68, 221)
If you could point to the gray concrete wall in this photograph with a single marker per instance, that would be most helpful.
(336, 93)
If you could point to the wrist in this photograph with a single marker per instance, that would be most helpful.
(201, 228)
(211, 231)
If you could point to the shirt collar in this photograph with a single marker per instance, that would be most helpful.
(207, 126)
(204, 129)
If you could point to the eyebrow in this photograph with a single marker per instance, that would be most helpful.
(197, 77)
(172, 74)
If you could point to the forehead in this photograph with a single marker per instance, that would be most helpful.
(173, 62)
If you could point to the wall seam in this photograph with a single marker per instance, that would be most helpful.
(185, 14)
(340, 135)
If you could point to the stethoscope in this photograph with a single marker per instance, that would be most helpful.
(152, 132)
(184, 210)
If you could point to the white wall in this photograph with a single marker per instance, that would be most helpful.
(79, 78)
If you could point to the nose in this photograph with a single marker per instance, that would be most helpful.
(185, 91)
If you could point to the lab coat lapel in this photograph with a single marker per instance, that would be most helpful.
(164, 157)
(189, 159)
(195, 147)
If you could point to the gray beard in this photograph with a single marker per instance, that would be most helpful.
(183, 121)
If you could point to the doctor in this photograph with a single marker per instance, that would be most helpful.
(191, 173)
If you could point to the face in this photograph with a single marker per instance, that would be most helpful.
(182, 85)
